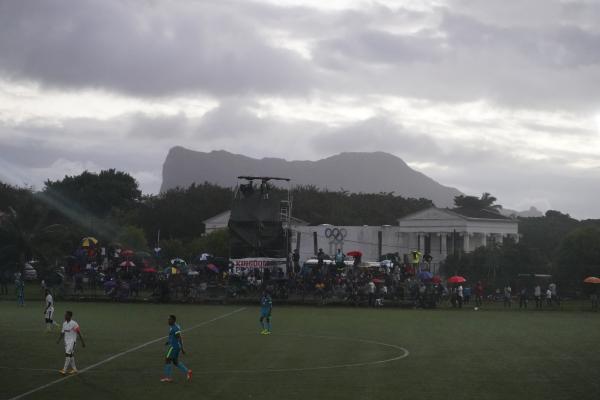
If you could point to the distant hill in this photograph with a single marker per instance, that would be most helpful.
(355, 172)
(531, 213)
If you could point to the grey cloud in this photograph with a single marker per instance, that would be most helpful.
(159, 127)
(563, 131)
(143, 48)
(375, 134)
(373, 46)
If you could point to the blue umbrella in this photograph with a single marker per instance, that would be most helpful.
(425, 275)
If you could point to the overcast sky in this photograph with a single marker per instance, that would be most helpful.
(495, 96)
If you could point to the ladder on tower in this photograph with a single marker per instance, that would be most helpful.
(284, 211)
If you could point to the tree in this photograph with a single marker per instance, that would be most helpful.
(96, 194)
(485, 202)
(23, 240)
(579, 255)
(133, 237)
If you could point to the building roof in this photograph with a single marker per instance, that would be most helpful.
(456, 213)
(479, 214)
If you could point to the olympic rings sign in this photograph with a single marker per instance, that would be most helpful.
(336, 234)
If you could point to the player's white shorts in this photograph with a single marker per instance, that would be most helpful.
(49, 314)
(70, 347)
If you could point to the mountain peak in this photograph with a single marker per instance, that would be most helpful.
(367, 172)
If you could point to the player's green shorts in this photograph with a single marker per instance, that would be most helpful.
(172, 353)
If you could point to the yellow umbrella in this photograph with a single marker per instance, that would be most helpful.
(89, 241)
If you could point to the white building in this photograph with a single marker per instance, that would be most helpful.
(440, 232)
(433, 231)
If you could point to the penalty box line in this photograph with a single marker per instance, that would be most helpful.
(115, 356)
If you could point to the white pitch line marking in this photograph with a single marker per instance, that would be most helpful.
(81, 371)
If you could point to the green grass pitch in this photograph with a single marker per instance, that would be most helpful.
(314, 353)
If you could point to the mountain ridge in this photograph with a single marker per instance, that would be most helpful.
(366, 172)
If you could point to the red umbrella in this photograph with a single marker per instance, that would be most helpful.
(436, 279)
(456, 279)
(376, 280)
(150, 270)
(354, 253)
(127, 264)
(591, 279)
(127, 253)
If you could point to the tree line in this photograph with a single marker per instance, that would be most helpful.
(48, 224)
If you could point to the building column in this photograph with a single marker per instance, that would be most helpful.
(466, 242)
(484, 240)
(443, 244)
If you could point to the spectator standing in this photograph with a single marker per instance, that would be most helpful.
(537, 293)
(523, 298)
(296, 261)
(467, 293)
(479, 294)
(460, 296)
(339, 259)
(371, 289)
(548, 297)
(554, 294)
(507, 296)
(20, 287)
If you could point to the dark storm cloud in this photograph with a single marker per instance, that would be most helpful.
(453, 53)
(142, 49)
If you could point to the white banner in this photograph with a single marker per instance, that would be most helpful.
(259, 262)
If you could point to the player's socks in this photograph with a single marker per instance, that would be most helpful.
(67, 363)
(189, 375)
(182, 367)
(269, 326)
(168, 369)
(73, 367)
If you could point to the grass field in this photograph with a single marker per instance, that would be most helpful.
(314, 353)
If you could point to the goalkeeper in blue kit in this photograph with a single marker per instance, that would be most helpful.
(266, 306)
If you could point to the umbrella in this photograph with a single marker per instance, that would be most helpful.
(436, 279)
(425, 275)
(126, 253)
(89, 241)
(177, 261)
(376, 280)
(127, 264)
(591, 279)
(456, 279)
(150, 270)
(213, 268)
(354, 253)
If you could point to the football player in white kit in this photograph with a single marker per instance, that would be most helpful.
(49, 311)
(70, 332)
